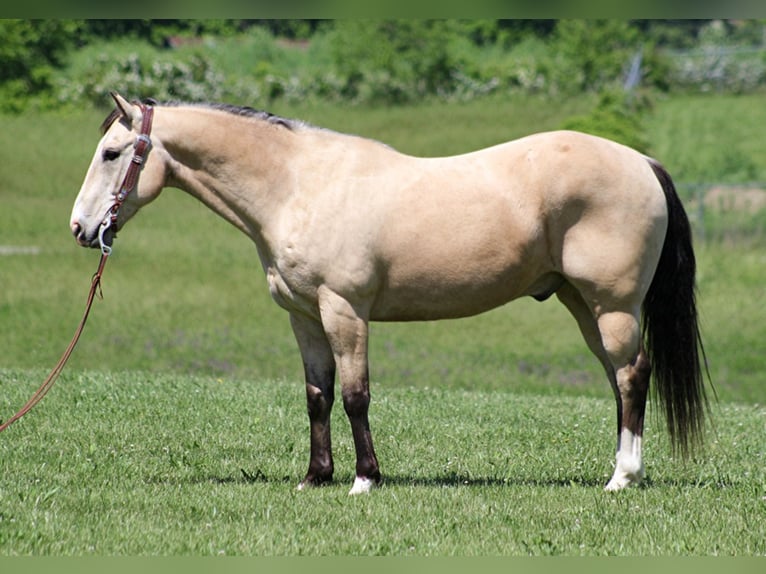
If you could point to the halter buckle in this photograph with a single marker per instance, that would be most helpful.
(143, 138)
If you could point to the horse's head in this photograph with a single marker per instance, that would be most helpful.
(91, 215)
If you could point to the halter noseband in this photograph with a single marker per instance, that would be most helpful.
(141, 149)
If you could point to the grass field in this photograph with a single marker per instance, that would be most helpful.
(168, 464)
(179, 426)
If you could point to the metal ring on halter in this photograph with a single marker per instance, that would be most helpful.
(105, 224)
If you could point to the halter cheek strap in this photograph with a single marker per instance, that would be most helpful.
(140, 151)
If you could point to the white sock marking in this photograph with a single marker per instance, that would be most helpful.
(629, 467)
(361, 486)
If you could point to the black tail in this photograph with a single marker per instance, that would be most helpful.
(671, 331)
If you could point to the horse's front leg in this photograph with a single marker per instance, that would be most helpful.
(319, 368)
(347, 330)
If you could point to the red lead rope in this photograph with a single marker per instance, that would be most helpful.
(142, 146)
(54, 374)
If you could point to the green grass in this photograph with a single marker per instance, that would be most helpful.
(188, 373)
(706, 138)
(165, 309)
(167, 464)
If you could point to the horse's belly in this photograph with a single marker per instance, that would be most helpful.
(458, 262)
(451, 293)
(414, 305)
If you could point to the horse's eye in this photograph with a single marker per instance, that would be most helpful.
(110, 154)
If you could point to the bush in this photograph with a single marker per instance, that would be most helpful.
(140, 76)
(617, 116)
(30, 51)
(352, 61)
(598, 51)
(717, 69)
(397, 61)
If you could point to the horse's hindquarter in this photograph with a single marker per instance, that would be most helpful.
(606, 218)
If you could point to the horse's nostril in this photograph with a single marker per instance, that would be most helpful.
(76, 228)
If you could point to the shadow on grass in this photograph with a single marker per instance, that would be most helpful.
(457, 481)
(443, 481)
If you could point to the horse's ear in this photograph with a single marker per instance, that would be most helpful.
(126, 108)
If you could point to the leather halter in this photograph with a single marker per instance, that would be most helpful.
(140, 151)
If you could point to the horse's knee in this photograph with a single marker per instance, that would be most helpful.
(319, 401)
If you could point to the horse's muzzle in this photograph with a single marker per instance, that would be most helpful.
(92, 241)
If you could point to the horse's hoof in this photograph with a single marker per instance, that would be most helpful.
(362, 485)
(312, 481)
(616, 484)
(623, 480)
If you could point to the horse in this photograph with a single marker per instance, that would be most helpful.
(349, 230)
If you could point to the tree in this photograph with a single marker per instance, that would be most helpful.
(397, 60)
(598, 50)
(29, 52)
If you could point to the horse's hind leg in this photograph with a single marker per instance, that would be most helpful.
(573, 301)
(621, 336)
(614, 337)
(319, 368)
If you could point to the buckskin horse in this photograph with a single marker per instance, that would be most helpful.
(349, 231)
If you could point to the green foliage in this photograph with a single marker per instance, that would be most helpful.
(160, 33)
(715, 69)
(617, 116)
(364, 61)
(597, 50)
(397, 60)
(140, 72)
(30, 50)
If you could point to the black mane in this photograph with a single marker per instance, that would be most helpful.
(248, 112)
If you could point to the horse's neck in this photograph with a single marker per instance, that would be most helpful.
(233, 165)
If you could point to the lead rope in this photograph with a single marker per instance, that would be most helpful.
(95, 286)
(142, 146)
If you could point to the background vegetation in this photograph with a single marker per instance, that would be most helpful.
(179, 425)
(54, 63)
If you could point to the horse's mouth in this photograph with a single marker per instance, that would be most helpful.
(93, 241)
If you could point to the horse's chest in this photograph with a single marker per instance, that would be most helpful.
(288, 293)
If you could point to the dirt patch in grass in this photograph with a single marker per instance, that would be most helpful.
(731, 198)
